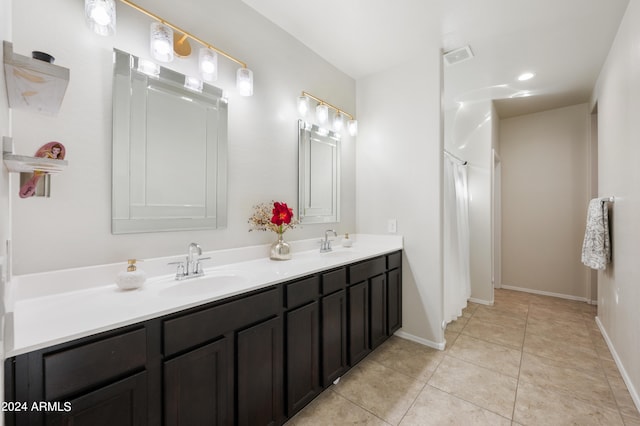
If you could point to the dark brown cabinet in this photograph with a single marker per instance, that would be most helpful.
(101, 380)
(334, 337)
(378, 303)
(303, 356)
(394, 301)
(198, 386)
(259, 395)
(252, 359)
(358, 322)
(121, 403)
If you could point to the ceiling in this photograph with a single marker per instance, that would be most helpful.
(564, 42)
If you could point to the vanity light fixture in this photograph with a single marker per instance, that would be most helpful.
(244, 81)
(101, 18)
(322, 113)
(303, 106)
(338, 121)
(208, 63)
(352, 127)
(161, 39)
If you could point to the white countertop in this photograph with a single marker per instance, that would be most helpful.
(51, 308)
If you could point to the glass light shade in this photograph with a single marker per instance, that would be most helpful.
(244, 81)
(208, 63)
(322, 113)
(100, 16)
(148, 67)
(161, 42)
(303, 105)
(338, 121)
(193, 83)
(352, 127)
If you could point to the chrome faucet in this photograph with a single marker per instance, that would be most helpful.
(325, 245)
(192, 262)
(191, 268)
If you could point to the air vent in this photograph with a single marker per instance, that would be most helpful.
(456, 56)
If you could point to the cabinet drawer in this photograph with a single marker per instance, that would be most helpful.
(199, 327)
(85, 366)
(367, 269)
(394, 260)
(301, 292)
(334, 281)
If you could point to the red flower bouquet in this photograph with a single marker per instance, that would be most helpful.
(276, 217)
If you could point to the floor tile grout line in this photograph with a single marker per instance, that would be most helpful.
(414, 401)
(402, 372)
(468, 402)
(515, 399)
(359, 406)
(395, 371)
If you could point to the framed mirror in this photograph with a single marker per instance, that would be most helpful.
(318, 174)
(169, 150)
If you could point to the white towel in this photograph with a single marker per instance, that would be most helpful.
(596, 248)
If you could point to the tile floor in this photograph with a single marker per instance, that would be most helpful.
(527, 360)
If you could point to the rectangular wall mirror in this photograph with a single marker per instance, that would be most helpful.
(169, 150)
(318, 174)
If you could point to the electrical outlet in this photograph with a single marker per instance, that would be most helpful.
(392, 226)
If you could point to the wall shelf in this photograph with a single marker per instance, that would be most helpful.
(27, 164)
(33, 84)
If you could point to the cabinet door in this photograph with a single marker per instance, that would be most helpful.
(259, 369)
(197, 386)
(334, 337)
(303, 356)
(123, 403)
(358, 322)
(394, 301)
(378, 295)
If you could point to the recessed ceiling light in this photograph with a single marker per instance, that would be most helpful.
(526, 76)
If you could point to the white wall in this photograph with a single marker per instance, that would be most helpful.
(469, 135)
(5, 231)
(545, 193)
(496, 201)
(618, 97)
(72, 228)
(399, 176)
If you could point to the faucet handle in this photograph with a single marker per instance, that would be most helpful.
(180, 269)
(197, 265)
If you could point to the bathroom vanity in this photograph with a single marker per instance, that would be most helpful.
(252, 358)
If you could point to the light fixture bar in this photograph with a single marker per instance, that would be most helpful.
(191, 36)
(323, 102)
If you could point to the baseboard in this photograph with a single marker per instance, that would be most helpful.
(480, 301)
(429, 343)
(627, 380)
(548, 293)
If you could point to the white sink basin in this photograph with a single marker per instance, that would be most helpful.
(211, 283)
(340, 253)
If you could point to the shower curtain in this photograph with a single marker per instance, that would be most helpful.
(457, 281)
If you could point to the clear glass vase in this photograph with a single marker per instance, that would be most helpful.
(280, 250)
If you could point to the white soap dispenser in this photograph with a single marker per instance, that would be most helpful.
(346, 241)
(132, 278)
